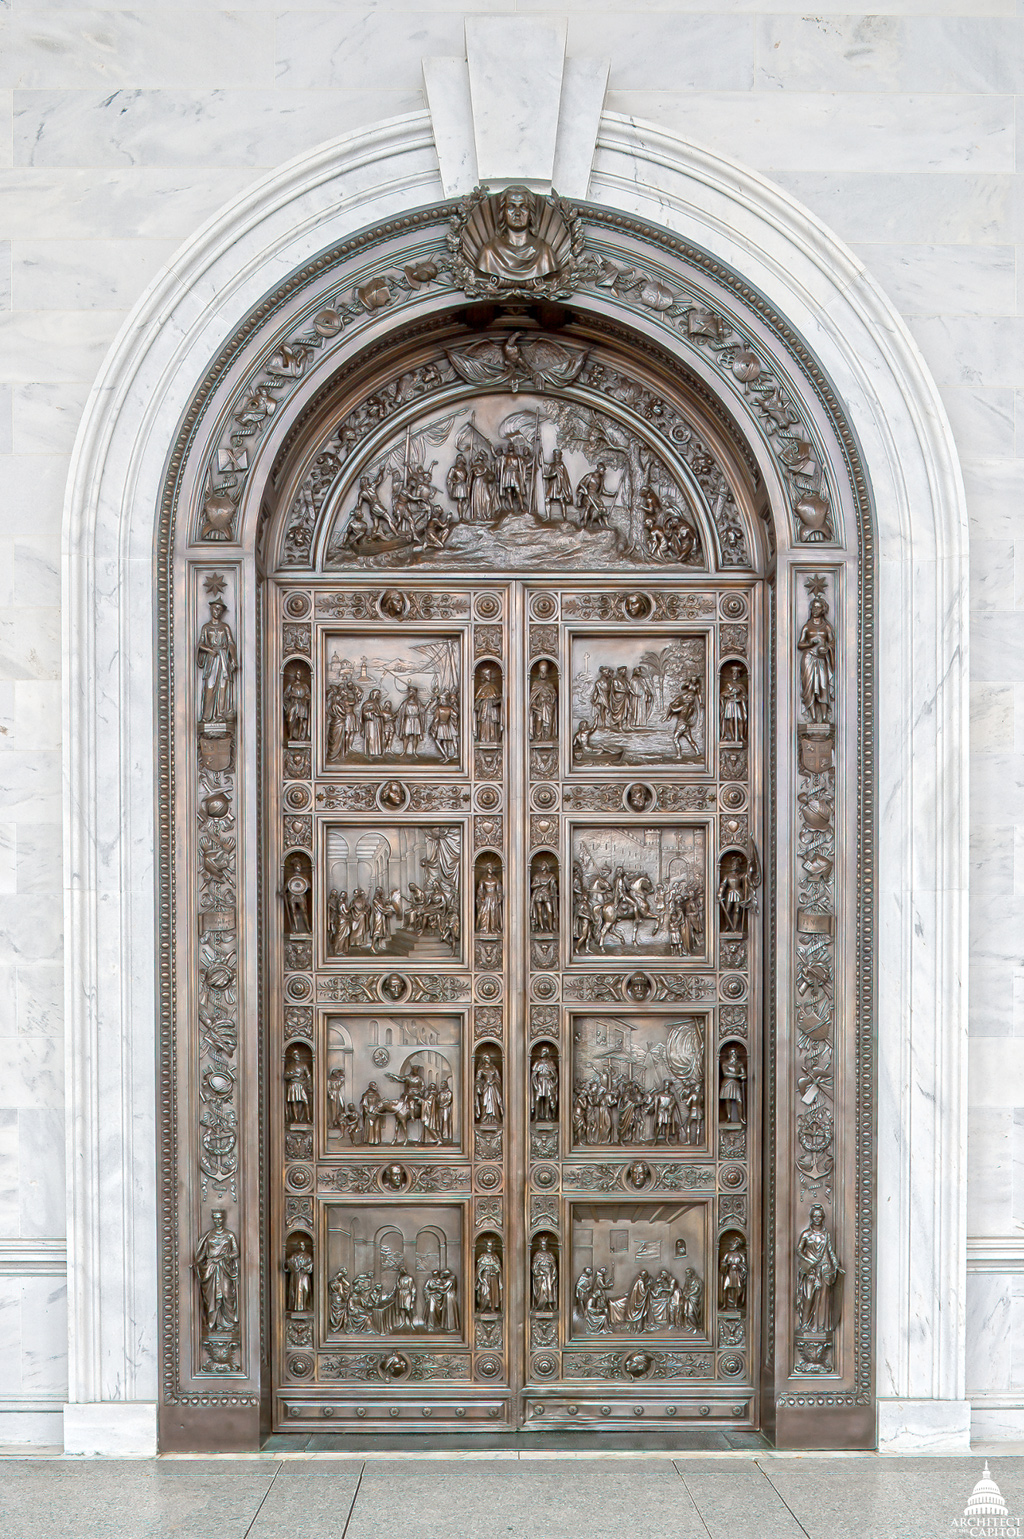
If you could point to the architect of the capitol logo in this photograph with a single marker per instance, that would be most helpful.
(986, 1512)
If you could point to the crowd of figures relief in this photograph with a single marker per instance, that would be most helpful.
(517, 478)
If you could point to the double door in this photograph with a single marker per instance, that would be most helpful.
(514, 976)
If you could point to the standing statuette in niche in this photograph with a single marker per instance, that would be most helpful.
(544, 1277)
(733, 705)
(543, 704)
(487, 707)
(488, 1280)
(218, 661)
(216, 1266)
(544, 899)
(731, 1094)
(489, 1102)
(732, 1274)
(296, 709)
(489, 900)
(544, 1086)
(299, 1267)
(817, 666)
(298, 1088)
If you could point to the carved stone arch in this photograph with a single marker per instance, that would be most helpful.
(906, 453)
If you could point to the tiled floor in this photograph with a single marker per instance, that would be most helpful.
(510, 1495)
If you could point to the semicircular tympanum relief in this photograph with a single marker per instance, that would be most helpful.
(525, 615)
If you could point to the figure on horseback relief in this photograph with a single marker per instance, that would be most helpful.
(639, 891)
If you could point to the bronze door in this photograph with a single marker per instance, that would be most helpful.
(515, 973)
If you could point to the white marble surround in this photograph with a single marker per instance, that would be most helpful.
(120, 134)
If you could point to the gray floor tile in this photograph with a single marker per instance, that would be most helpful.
(886, 1498)
(739, 1503)
(316, 1507)
(569, 1504)
(130, 1507)
(323, 1465)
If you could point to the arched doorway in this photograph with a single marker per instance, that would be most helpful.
(119, 470)
(558, 722)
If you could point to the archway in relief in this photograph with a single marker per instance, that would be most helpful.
(523, 605)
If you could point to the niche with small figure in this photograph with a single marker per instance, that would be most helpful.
(733, 697)
(297, 891)
(296, 700)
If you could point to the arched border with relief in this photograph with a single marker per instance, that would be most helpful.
(743, 355)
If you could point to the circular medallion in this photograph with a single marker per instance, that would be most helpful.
(381, 1057)
(638, 796)
(637, 1364)
(487, 606)
(705, 1410)
(298, 988)
(637, 606)
(299, 1178)
(732, 1176)
(393, 604)
(328, 323)
(731, 1364)
(733, 797)
(544, 1177)
(297, 605)
(488, 798)
(639, 1174)
(328, 1410)
(488, 987)
(738, 1410)
(746, 365)
(393, 1178)
(300, 1366)
(544, 798)
(488, 1366)
(733, 987)
(297, 797)
(392, 796)
(395, 1365)
(488, 1177)
(733, 606)
(216, 805)
(544, 606)
(545, 1366)
(393, 987)
(670, 1410)
(639, 987)
(545, 987)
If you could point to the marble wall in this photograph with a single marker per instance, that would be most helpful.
(122, 130)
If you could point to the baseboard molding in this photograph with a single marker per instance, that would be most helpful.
(33, 1258)
(995, 1253)
(111, 1428)
(924, 1426)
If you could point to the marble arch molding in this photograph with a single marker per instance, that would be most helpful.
(395, 334)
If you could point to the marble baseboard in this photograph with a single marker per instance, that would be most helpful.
(31, 1428)
(997, 1419)
(114, 1429)
(924, 1426)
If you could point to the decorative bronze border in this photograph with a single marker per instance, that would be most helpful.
(862, 1122)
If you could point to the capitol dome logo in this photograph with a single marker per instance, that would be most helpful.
(986, 1513)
